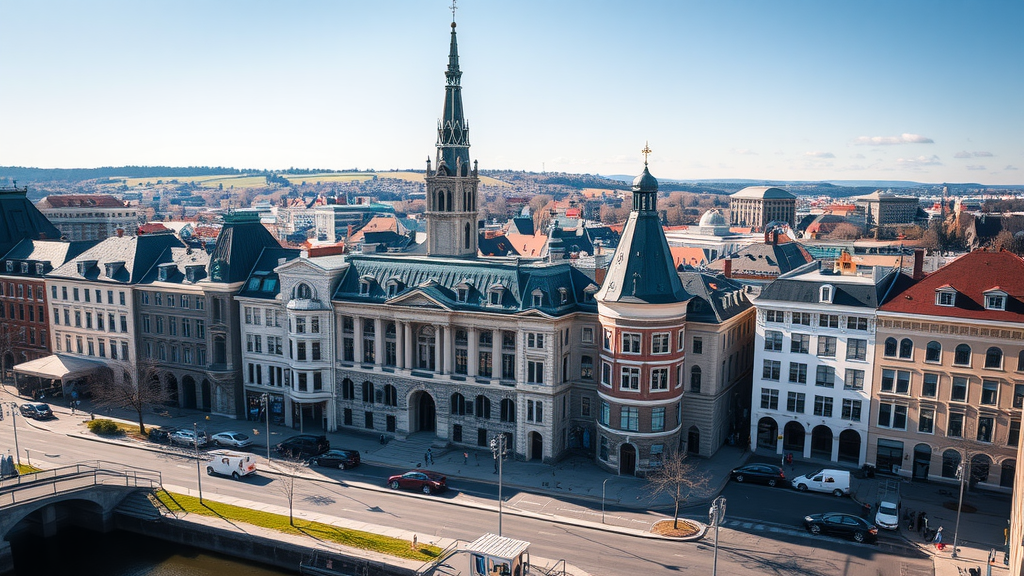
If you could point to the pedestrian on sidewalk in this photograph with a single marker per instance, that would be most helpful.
(938, 539)
(465, 457)
(428, 457)
(72, 407)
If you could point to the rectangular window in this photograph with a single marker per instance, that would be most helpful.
(535, 372)
(629, 418)
(985, 424)
(461, 361)
(772, 370)
(630, 379)
(823, 406)
(606, 374)
(989, 392)
(660, 343)
(121, 299)
(172, 326)
(827, 346)
(856, 349)
(930, 385)
(902, 382)
(124, 323)
(776, 316)
(802, 318)
(854, 379)
(795, 402)
(534, 340)
(201, 329)
(926, 420)
(851, 410)
(888, 380)
(769, 399)
(955, 425)
(798, 373)
(587, 335)
(630, 343)
(856, 323)
(800, 343)
(1013, 435)
(825, 376)
(659, 379)
(773, 341)
(508, 366)
(606, 413)
(698, 345)
(74, 291)
(958, 393)
(314, 325)
(828, 320)
(658, 419)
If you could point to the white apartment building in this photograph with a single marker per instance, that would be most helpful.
(813, 349)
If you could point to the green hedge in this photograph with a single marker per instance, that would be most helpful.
(104, 427)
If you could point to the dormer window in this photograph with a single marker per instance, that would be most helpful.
(40, 268)
(394, 287)
(538, 298)
(364, 285)
(589, 291)
(10, 266)
(494, 295)
(304, 292)
(563, 295)
(164, 272)
(462, 294)
(825, 293)
(945, 296)
(24, 267)
(995, 299)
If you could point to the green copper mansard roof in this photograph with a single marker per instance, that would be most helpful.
(642, 269)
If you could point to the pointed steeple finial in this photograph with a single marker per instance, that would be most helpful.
(647, 147)
(453, 13)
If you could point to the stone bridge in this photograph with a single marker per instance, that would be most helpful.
(84, 494)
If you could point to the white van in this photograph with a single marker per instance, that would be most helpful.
(228, 463)
(835, 482)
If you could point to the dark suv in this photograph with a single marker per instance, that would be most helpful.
(304, 445)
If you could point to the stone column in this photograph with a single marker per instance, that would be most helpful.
(496, 354)
(473, 353)
(400, 345)
(410, 345)
(378, 342)
(807, 443)
(357, 343)
(835, 447)
(446, 332)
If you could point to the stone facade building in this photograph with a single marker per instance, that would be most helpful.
(949, 372)
(757, 206)
(887, 209)
(90, 216)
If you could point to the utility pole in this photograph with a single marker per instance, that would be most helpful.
(499, 448)
(602, 499)
(716, 514)
(199, 466)
(265, 399)
(963, 470)
(14, 422)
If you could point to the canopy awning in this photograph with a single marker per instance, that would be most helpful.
(58, 367)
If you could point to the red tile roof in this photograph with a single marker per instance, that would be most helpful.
(970, 275)
(84, 201)
(151, 227)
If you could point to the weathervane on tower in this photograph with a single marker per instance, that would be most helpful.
(647, 146)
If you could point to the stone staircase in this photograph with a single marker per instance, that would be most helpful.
(139, 505)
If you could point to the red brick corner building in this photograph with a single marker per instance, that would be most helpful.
(642, 309)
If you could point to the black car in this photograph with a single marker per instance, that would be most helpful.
(340, 459)
(840, 524)
(304, 445)
(37, 410)
(761, 474)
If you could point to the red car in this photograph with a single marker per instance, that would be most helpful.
(424, 480)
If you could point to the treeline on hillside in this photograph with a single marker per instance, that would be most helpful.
(23, 174)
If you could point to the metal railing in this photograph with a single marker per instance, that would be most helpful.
(56, 481)
(444, 555)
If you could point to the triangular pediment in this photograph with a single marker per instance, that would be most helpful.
(417, 299)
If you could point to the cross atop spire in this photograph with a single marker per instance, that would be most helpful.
(647, 148)
(453, 11)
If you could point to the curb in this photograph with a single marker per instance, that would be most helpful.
(373, 488)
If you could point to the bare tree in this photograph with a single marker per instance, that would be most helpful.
(679, 478)
(289, 470)
(10, 337)
(111, 392)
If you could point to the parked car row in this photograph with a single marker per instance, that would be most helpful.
(835, 482)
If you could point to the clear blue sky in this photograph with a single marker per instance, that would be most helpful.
(928, 90)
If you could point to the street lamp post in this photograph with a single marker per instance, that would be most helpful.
(199, 467)
(498, 448)
(265, 400)
(14, 422)
(602, 499)
(964, 470)
(716, 514)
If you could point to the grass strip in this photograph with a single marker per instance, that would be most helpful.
(279, 522)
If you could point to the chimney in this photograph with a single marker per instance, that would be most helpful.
(120, 232)
(918, 264)
(349, 233)
(727, 269)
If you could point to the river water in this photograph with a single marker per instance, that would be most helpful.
(80, 552)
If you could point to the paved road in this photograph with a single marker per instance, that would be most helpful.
(745, 547)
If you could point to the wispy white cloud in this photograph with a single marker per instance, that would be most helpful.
(780, 153)
(1010, 167)
(966, 154)
(744, 151)
(975, 167)
(919, 162)
(892, 140)
(820, 154)
(858, 156)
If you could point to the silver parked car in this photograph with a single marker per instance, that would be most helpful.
(185, 437)
(232, 439)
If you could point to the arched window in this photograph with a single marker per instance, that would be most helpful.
(890, 348)
(508, 410)
(962, 355)
(469, 231)
(950, 462)
(933, 353)
(483, 407)
(458, 404)
(348, 389)
(303, 292)
(368, 392)
(390, 395)
(695, 380)
(994, 358)
(448, 203)
(906, 348)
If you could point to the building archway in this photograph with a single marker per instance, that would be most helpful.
(849, 446)
(536, 446)
(950, 463)
(422, 412)
(980, 465)
(207, 403)
(693, 440)
(1006, 472)
(793, 437)
(188, 393)
(922, 461)
(889, 456)
(767, 433)
(821, 442)
(171, 386)
(627, 459)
